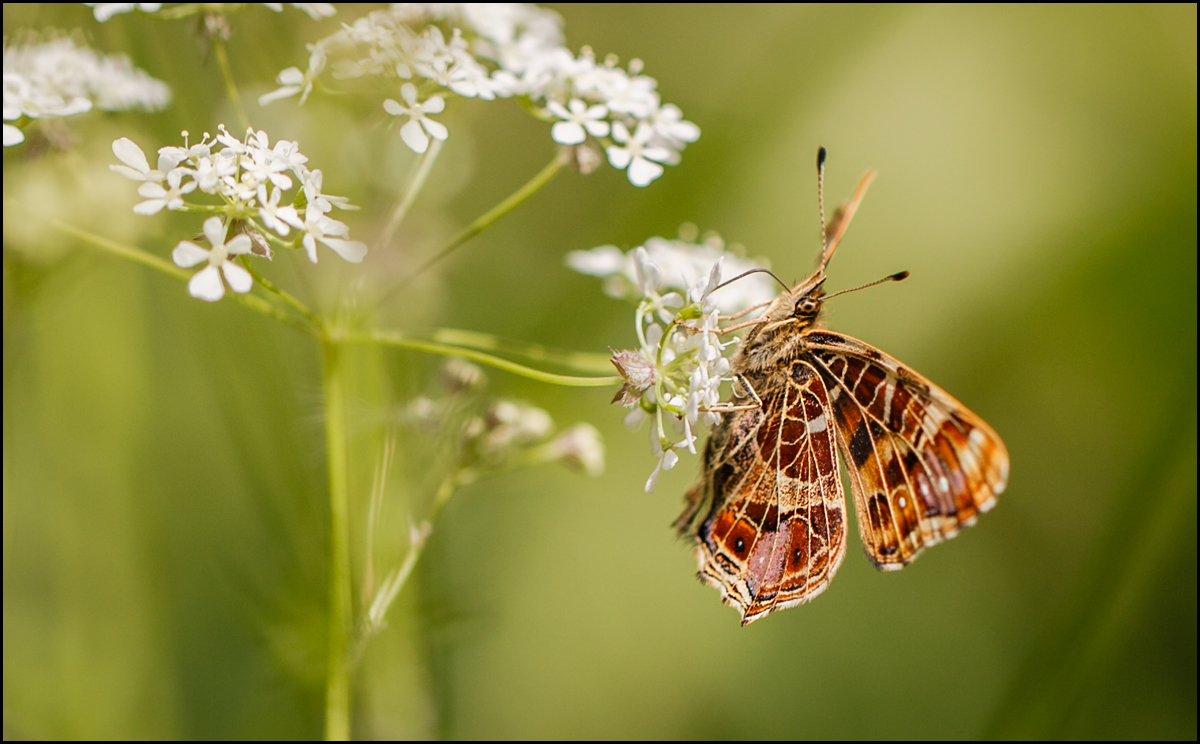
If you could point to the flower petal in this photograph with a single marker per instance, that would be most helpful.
(187, 254)
(408, 92)
(130, 154)
(239, 279)
(351, 250)
(206, 285)
(435, 105)
(619, 157)
(394, 108)
(238, 245)
(214, 230)
(597, 128)
(14, 136)
(642, 172)
(567, 133)
(436, 129)
(601, 261)
(310, 247)
(149, 207)
(414, 136)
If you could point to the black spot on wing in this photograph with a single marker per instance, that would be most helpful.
(860, 444)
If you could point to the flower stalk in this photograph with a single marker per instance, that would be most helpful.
(231, 88)
(337, 684)
(485, 220)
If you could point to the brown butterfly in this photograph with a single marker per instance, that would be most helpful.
(768, 514)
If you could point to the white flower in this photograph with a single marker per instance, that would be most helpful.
(104, 11)
(325, 202)
(318, 227)
(157, 197)
(136, 167)
(497, 50)
(250, 177)
(508, 424)
(680, 263)
(274, 216)
(666, 460)
(315, 11)
(581, 447)
(413, 132)
(292, 81)
(578, 117)
(12, 135)
(52, 76)
(206, 284)
(676, 374)
(668, 123)
(601, 261)
(637, 154)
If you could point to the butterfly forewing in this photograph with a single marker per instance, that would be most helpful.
(921, 464)
(770, 521)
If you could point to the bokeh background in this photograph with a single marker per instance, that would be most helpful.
(164, 504)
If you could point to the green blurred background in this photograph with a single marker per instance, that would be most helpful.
(164, 487)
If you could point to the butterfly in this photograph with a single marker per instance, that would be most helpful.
(768, 514)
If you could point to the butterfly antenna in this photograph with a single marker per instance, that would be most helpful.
(821, 193)
(748, 273)
(900, 276)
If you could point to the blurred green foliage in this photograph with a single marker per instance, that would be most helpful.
(164, 490)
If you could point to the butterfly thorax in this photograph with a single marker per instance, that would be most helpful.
(779, 337)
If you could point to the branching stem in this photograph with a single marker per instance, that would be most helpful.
(485, 220)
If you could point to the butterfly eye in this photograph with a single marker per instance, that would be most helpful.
(807, 306)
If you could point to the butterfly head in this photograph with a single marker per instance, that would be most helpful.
(808, 307)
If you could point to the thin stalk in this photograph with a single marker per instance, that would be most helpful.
(231, 88)
(377, 488)
(419, 537)
(137, 255)
(415, 184)
(282, 294)
(392, 338)
(578, 360)
(337, 685)
(485, 220)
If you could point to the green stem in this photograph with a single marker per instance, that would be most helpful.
(485, 220)
(337, 686)
(415, 184)
(136, 255)
(124, 251)
(284, 295)
(392, 338)
(578, 360)
(420, 536)
(231, 88)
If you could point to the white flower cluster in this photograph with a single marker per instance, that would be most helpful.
(501, 50)
(505, 433)
(675, 375)
(58, 77)
(682, 261)
(104, 11)
(250, 179)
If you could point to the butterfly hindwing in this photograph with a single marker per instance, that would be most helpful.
(769, 515)
(921, 464)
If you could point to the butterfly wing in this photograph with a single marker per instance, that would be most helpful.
(768, 514)
(921, 464)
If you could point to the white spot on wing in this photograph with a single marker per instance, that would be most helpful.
(817, 424)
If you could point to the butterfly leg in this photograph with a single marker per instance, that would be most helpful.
(739, 326)
(743, 313)
(727, 408)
